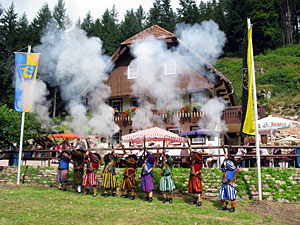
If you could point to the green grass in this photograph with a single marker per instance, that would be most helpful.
(277, 71)
(33, 205)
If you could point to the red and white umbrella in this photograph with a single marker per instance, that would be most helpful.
(152, 134)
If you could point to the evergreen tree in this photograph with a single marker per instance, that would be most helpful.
(23, 36)
(39, 23)
(237, 12)
(141, 16)
(8, 44)
(266, 31)
(87, 24)
(155, 14)
(130, 26)
(188, 12)
(168, 17)
(60, 15)
(109, 31)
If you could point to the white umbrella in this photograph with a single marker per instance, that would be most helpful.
(268, 124)
(288, 140)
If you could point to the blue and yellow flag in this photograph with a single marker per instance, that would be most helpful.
(26, 66)
(248, 125)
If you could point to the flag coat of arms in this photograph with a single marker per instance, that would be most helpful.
(248, 125)
(26, 66)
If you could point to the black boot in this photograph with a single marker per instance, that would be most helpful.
(171, 201)
(114, 194)
(146, 198)
(165, 200)
(125, 196)
(132, 197)
(232, 209)
(193, 203)
(199, 204)
(223, 208)
(150, 199)
(105, 195)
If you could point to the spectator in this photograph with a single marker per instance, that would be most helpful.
(16, 154)
(239, 157)
(264, 160)
(276, 151)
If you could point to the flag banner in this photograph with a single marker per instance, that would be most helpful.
(248, 126)
(26, 66)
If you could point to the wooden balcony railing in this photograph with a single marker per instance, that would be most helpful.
(232, 115)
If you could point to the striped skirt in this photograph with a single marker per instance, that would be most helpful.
(129, 183)
(109, 181)
(78, 177)
(166, 184)
(195, 185)
(227, 192)
(147, 183)
(62, 176)
(90, 179)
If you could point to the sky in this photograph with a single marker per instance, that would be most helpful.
(79, 8)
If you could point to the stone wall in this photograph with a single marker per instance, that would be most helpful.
(278, 184)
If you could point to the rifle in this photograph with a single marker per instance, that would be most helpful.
(87, 144)
(145, 148)
(189, 144)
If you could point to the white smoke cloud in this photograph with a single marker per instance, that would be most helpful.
(212, 121)
(204, 41)
(75, 63)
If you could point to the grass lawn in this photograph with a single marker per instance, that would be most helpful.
(38, 205)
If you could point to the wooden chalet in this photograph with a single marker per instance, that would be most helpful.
(122, 98)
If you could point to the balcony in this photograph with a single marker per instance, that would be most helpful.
(232, 115)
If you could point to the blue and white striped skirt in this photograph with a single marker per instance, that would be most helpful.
(227, 192)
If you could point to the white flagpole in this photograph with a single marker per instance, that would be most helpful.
(256, 123)
(21, 138)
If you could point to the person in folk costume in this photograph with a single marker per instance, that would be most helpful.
(147, 184)
(129, 182)
(64, 158)
(227, 190)
(195, 181)
(166, 181)
(92, 161)
(109, 177)
(78, 162)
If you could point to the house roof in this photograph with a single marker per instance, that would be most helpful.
(153, 32)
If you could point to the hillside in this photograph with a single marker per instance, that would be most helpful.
(277, 77)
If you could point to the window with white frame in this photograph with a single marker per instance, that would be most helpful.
(117, 137)
(116, 104)
(132, 72)
(170, 67)
(199, 139)
(197, 97)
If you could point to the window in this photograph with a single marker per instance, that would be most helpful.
(132, 72)
(175, 130)
(116, 104)
(170, 68)
(199, 139)
(197, 97)
(117, 137)
(135, 102)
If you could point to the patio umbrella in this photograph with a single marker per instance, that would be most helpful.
(288, 140)
(152, 134)
(268, 124)
(69, 135)
(199, 132)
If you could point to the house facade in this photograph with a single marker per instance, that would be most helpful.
(194, 88)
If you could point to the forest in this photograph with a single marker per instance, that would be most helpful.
(276, 24)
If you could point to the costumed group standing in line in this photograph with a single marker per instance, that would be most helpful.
(91, 162)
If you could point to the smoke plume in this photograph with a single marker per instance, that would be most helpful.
(74, 62)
